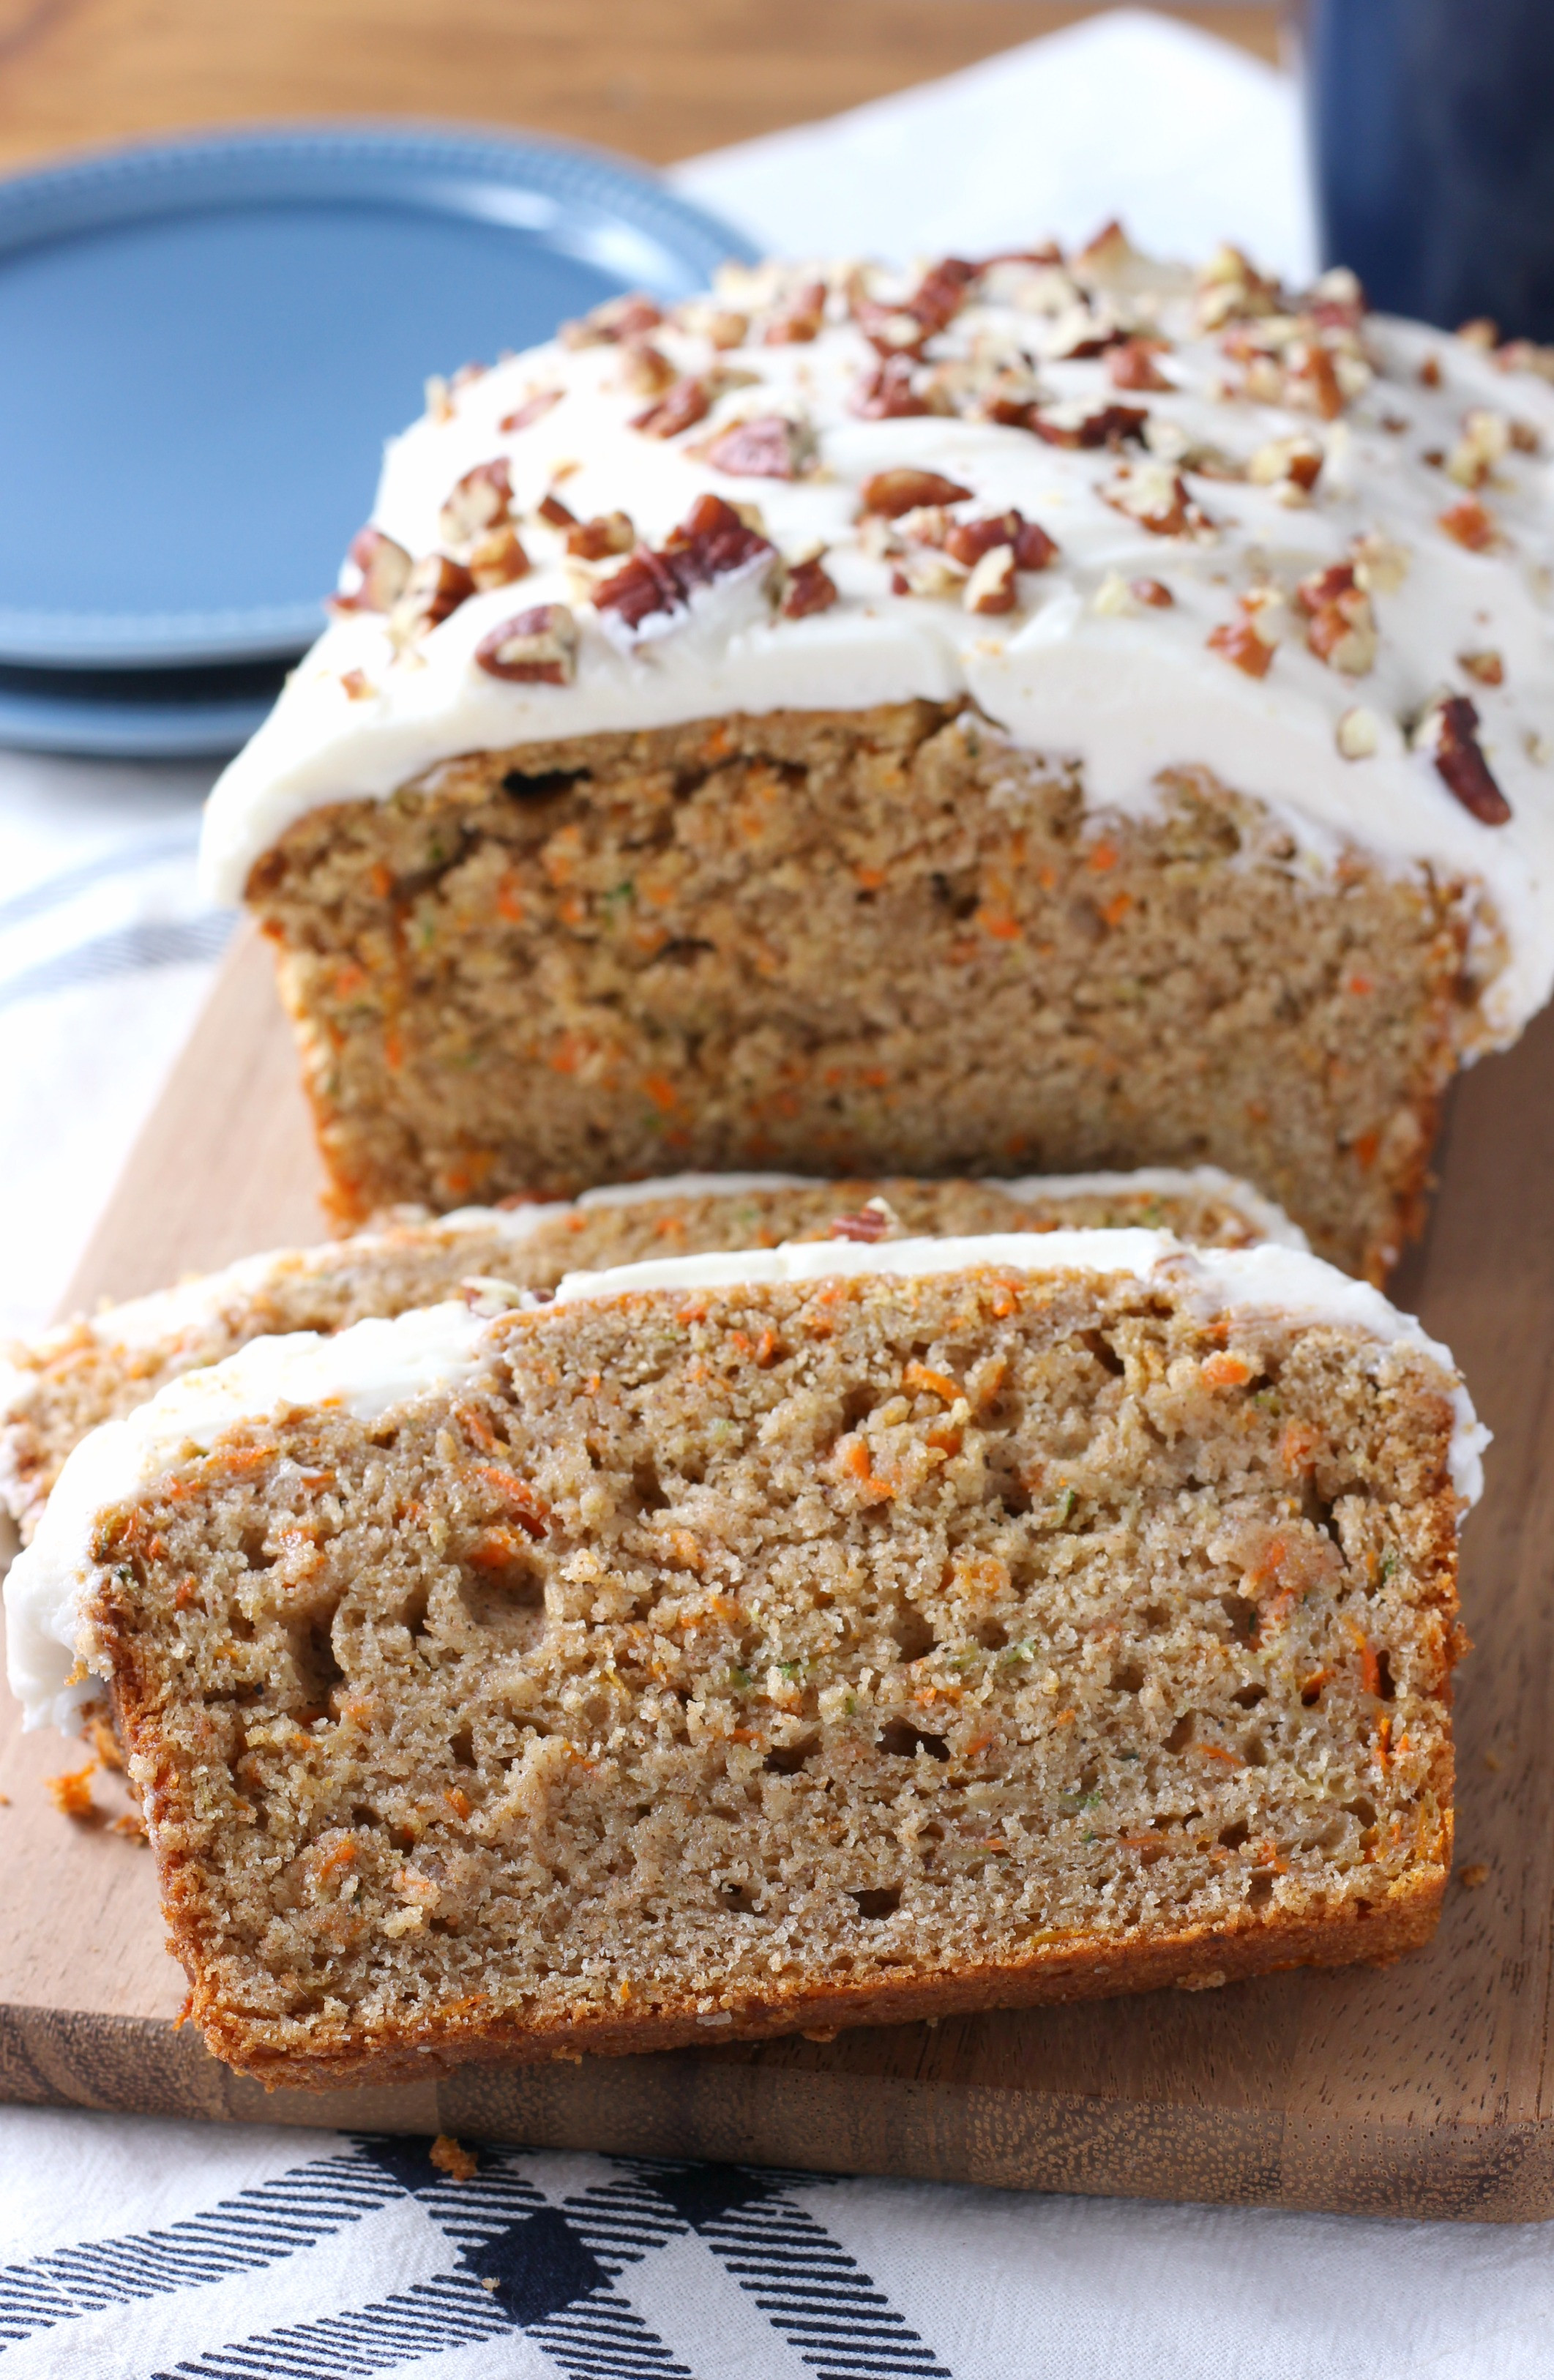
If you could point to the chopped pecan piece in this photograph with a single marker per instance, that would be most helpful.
(1084, 425)
(1287, 463)
(967, 541)
(435, 589)
(533, 409)
(1486, 440)
(1230, 289)
(1132, 364)
(1358, 735)
(537, 647)
(809, 588)
(496, 559)
(1336, 300)
(1156, 498)
(357, 685)
(1149, 591)
(646, 371)
(721, 326)
(770, 447)
(797, 318)
(1311, 380)
(552, 510)
(607, 533)
(619, 318)
(684, 404)
(383, 568)
(991, 587)
(1240, 644)
(710, 544)
(870, 1224)
(1342, 626)
(1449, 733)
(1429, 372)
(477, 502)
(1487, 667)
(1480, 333)
(903, 327)
(888, 394)
(891, 493)
(1471, 524)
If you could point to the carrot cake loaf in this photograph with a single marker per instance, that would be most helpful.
(807, 1636)
(1044, 713)
(57, 1387)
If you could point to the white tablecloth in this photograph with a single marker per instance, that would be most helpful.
(133, 2248)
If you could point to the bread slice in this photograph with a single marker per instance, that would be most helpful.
(827, 1635)
(57, 1387)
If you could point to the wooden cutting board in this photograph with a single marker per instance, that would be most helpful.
(1423, 2089)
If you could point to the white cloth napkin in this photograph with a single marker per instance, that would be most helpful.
(129, 2248)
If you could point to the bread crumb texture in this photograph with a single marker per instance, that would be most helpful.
(883, 941)
(788, 1657)
(70, 1378)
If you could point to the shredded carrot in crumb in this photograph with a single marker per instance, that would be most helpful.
(380, 879)
(1297, 1447)
(184, 2013)
(1359, 985)
(394, 1050)
(979, 1744)
(684, 1548)
(1116, 909)
(1366, 1149)
(1064, 1719)
(870, 879)
(1103, 855)
(999, 925)
(532, 1510)
(662, 1092)
(458, 1801)
(509, 899)
(1381, 1751)
(473, 1423)
(348, 980)
(340, 1854)
(767, 1349)
(1226, 1372)
(1370, 1662)
(1218, 1752)
(1047, 877)
(71, 1793)
(918, 1375)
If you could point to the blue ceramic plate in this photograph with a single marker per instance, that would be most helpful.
(205, 344)
(149, 714)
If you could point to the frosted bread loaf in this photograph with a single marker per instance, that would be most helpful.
(813, 1636)
(1053, 712)
(57, 1387)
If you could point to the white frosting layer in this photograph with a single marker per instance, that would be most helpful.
(364, 1370)
(377, 1364)
(1128, 691)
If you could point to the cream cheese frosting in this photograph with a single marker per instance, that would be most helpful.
(1398, 429)
(375, 1365)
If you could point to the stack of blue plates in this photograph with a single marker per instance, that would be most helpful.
(206, 344)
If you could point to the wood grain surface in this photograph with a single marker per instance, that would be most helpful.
(1421, 2089)
(662, 79)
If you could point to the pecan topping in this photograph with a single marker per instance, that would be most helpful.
(435, 589)
(533, 409)
(619, 318)
(684, 404)
(967, 541)
(1449, 733)
(1472, 524)
(1156, 498)
(1293, 465)
(1358, 735)
(811, 588)
(798, 318)
(1342, 626)
(905, 326)
(496, 559)
(891, 493)
(871, 1223)
(1239, 642)
(477, 502)
(770, 447)
(991, 587)
(710, 544)
(1488, 667)
(551, 509)
(646, 371)
(538, 648)
(1150, 591)
(1132, 364)
(383, 570)
(1079, 425)
(607, 533)
(888, 394)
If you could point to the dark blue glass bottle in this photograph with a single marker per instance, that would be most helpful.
(1432, 134)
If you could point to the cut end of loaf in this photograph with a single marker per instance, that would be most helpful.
(823, 1652)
